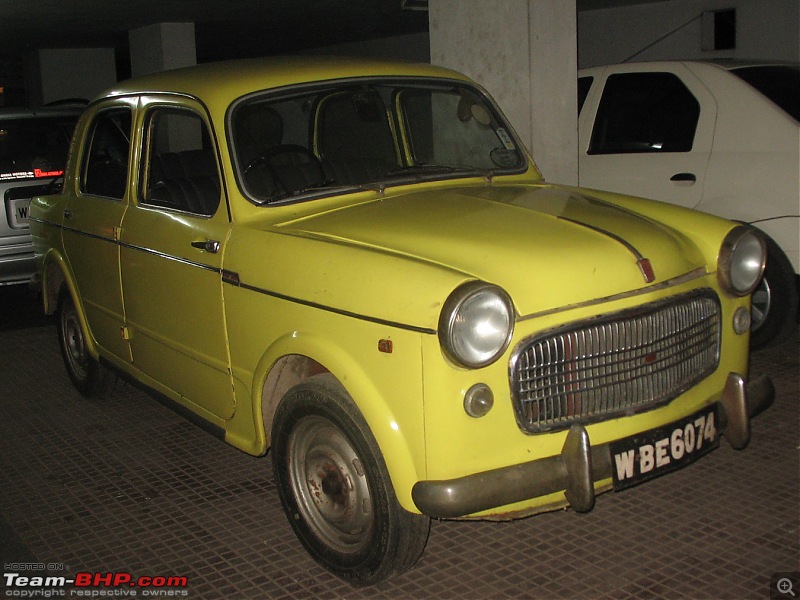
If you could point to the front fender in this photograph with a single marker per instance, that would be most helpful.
(378, 382)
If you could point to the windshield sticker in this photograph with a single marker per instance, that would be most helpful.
(502, 134)
(35, 174)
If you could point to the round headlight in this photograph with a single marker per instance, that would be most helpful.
(476, 324)
(741, 261)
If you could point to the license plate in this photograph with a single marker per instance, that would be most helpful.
(652, 453)
(18, 212)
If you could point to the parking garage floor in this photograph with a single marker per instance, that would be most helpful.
(123, 485)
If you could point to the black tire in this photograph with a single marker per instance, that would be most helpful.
(774, 310)
(83, 370)
(335, 488)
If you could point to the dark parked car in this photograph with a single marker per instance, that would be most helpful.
(33, 152)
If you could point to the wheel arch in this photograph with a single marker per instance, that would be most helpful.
(293, 360)
(55, 278)
(288, 371)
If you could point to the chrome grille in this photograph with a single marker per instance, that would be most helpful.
(617, 364)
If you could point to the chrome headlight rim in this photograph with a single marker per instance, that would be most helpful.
(741, 262)
(453, 309)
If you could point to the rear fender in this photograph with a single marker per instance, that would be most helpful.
(55, 276)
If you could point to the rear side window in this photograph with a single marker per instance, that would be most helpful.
(105, 168)
(645, 112)
(34, 148)
(779, 83)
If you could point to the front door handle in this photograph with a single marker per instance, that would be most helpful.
(684, 178)
(211, 246)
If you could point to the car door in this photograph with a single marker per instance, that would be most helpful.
(90, 228)
(647, 131)
(172, 243)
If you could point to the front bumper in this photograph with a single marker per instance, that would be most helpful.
(579, 465)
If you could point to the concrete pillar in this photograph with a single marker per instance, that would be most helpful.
(525, 53)
(162, 46)
(57, 74)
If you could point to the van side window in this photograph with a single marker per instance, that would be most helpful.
(645, 112)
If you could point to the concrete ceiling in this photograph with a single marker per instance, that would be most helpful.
(223, 28)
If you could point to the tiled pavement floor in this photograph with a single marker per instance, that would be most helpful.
(123, 484)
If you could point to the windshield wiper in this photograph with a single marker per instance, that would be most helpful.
(423, 167)
(325, 186)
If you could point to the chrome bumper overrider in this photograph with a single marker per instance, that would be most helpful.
(578, 466)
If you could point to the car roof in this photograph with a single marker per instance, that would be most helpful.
(727, 64)
(736, 63)
(224, 81)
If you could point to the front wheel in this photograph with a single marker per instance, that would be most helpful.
(775, 300)
(335, 488)
(83, 370)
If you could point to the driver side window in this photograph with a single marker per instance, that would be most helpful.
(181, 171)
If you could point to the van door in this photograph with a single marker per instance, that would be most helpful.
(649, 134)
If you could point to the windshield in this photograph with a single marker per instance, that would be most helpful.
(34, 148)
(346, 135)
(779, 83)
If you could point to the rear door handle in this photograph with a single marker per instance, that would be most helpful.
(684, 178)
(211, 246)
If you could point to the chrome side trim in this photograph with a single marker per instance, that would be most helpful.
(232, 278)
(144, 249)
(171, 257)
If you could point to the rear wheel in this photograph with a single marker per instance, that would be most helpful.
(335, 488)
(83, 370)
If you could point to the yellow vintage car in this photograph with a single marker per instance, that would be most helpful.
(358, 265)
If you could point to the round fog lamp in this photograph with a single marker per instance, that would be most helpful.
(478, 400)
(741, 320)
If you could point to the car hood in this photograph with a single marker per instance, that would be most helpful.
(546, 246)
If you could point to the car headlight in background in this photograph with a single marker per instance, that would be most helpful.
(476, 324)
(741, 261)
